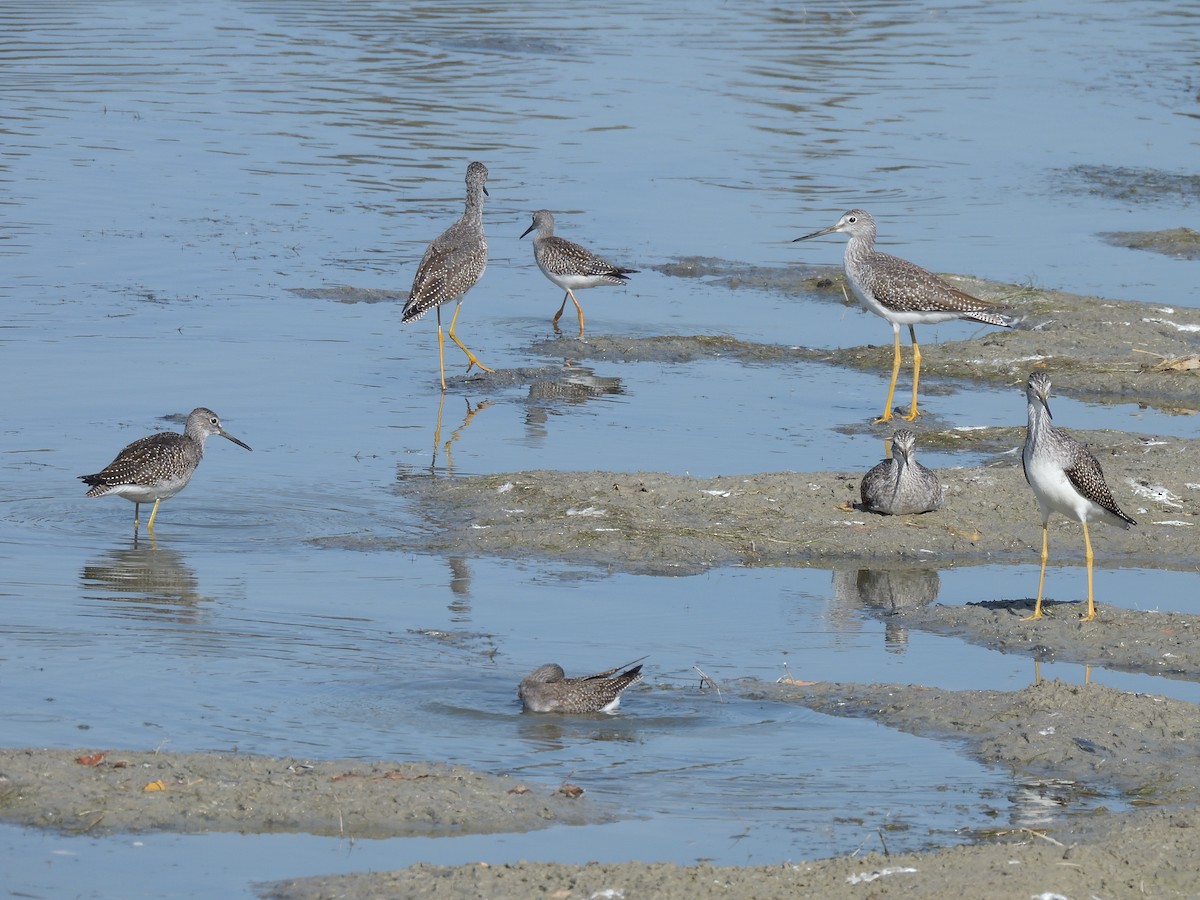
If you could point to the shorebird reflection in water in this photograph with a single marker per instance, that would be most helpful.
(158, 466)
(1066, 479)
(901, 292)
(456, 433)
(547, 689)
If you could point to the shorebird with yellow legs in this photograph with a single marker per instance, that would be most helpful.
(1066, 479)
(570, 266)
(158, 466)
(453, 263)
(901, 292)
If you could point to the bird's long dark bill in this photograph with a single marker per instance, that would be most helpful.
(830, 230)
(527, 230)
(235, 440)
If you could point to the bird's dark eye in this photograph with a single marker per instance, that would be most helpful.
(213, 421)
(852, 219)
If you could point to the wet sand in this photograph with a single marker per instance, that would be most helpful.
(92, 791)
(1088, 737)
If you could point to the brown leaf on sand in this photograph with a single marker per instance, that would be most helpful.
(570, 790)
(93, 759)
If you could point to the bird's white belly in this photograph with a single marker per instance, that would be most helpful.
(571, 281)
(1056, 494)
(895, 316)
(140, 493)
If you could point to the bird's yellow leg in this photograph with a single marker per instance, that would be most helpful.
(441, 353)
(579, 310)
(887, 406)
(1087, 554)
(153, 513)
(912, 410)
(558, 315)
(1037, 607)
(471, 360)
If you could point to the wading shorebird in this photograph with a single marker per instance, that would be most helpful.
(1066, 479)
(547, 689)
(903, 293)
(451, 266)
(570, 266)
(158, 466)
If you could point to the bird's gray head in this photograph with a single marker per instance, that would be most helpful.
(547, 674)
(903, 442)
(477, 174)
(1037, 390)
(543, 218)
(202, 423)
(856, 223)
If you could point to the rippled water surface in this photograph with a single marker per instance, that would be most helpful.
(184, 186)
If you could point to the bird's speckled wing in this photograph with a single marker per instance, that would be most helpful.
(1087, 478)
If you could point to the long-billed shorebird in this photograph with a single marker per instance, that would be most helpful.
(901, 292)
(1066, 479)
(568, 265)
(159, 465)
(547, 689)
(451, 266)
(901, 486)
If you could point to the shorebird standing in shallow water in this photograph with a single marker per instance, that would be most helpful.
(451, 266)
(158, 466)
(1066, 479)
(547, 689)
(900, 486)
(901, 292)
(568, 265)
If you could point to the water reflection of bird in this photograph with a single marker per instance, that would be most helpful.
(901, 292)
(570, 266)
(901, 485)
(158, 466)
(1066, 479)
(890, 592)
(453, 263)
(547, 689)
(455, 434)
(155, 581)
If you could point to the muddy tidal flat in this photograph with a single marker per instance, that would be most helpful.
(1080, 736)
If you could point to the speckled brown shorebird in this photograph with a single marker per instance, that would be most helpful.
(158, 466)
(570, 266)
(903, 293)
(547, 689)
(901, 485)
(451, 266)
(1066, 479)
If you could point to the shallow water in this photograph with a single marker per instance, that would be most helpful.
(169, 174)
